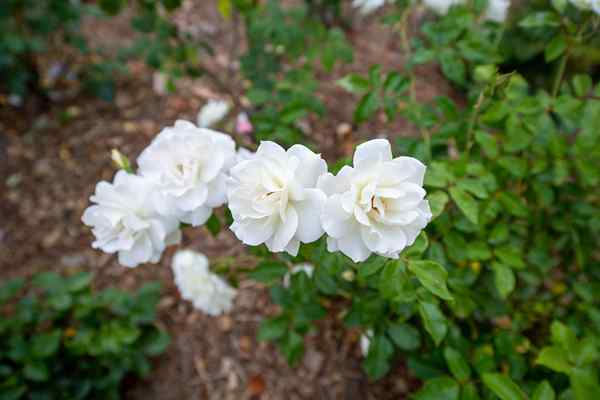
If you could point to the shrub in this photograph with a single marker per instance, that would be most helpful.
(61, 339)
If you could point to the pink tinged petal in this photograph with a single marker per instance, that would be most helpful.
(255, 231)
(284, 232)
(414, 170)
(372, 152)
(335, 220)
(309, 216)
(312, 165)
(354, 247)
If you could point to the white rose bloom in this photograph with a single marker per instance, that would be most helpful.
(306, 267)
(212, 112)
(497, 10)
(189, 166)
(124, 220)
(365, 342)
(377, 206)
(441, 7)
(273, 198)
(367, 6)
(243, 154)
(206, 290)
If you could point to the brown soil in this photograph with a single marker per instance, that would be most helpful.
(50, 162)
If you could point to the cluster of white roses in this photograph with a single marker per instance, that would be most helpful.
(276, 197)
(496, 9)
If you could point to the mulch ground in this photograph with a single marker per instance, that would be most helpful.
(51, 161)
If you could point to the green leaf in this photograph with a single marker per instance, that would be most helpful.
(563, 336)
(292, 347)
(268, 272)
(173, 4)
(433, 276)
(46, 344)
(111, 7)
(453, 66)
(367, 106)
(584, 383)
(354, 83)
(434, 321)
(36, 371)
(457, 364)
(156, 343)
(503, 387)
(469, 392)
(555, 48)
(466, 203)
(555, 358)
(543, 391)
(442, 388)
(474, 186)
(582, 84)
(510, 256)
(273, 328)
(418, 247)
(559, 5)
(513, 204)
(394, 283)
(213, 224)
(405, 336)
(10, 289)
(517, 166)
(79, 281)
(542, 19)
(377, 363)
(488, 143)
(504, 279)
(371, 266)
(437, 202)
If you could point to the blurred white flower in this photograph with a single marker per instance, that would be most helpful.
(441, 7)
(273, 198)
(306, 267)
(243, 124)
(367, 6)
(206, 290)
(593, 5)
(497, 10)
(124, 220)
(189, 166)
(377, 206)
(244, 154)
(365, 342)
(212, 112)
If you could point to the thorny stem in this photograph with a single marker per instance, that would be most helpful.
(473, 120)
(412, 88)
(560, 72)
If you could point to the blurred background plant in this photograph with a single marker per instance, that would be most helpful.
(60, 338)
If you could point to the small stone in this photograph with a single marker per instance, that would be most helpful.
(74, 260)
(343, 129)
(245, 344)
(225, 323)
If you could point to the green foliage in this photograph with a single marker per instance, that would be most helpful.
(286, 47)
(60, 339)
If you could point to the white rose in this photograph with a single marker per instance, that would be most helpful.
(377, 206)
(206, 290)
(190, 167)
(367, 6)
(441, 7)
(273, 198)
(212, 112)
(365, 342)
(497, 10)
(243, 154)
(124, 220)
(306, 267)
